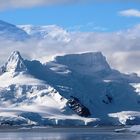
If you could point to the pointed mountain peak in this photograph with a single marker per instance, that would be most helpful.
(15, 63)
(15, 54)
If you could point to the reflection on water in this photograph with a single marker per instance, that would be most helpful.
(67, 136)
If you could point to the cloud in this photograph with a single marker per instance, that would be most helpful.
(130, 13)
(121, 48)
(127, 61)
(5, 4)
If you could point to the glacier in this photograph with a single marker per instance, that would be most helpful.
(72, 90)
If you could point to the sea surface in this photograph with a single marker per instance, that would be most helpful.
(104, 133)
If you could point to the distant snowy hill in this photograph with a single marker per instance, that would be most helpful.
(24, 32)
(75, 89)
(49, 32)
(12, 32)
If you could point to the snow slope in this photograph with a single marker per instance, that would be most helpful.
(75, 89)
(12, 32)
(100, 88)
(24, 32)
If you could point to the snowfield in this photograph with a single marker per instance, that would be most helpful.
(76, 89)
(46, 32)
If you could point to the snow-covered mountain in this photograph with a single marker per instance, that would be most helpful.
(75, 89)
(86, 63)
(46, 32)
(12, 32)
(29, 100)
(24, 32)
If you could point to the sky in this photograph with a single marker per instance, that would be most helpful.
(109, 26)
(82, 16)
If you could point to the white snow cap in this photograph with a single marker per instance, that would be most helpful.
(15, 63)
(86, 62)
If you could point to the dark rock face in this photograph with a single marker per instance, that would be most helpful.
(77, 107)
(108, 99)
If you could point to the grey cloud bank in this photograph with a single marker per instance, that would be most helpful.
(122, 48)
(6, 4)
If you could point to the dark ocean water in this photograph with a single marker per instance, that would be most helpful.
(66, 134)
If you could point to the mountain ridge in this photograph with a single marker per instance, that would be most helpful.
(56, 93)
(12, 32)
(46, 32)
(26, 32)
